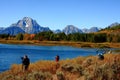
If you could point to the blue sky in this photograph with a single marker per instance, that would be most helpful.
(57, 14)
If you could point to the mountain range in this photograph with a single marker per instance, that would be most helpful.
(29, 25)
(26, 25)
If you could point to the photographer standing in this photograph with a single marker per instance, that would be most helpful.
(25, 63)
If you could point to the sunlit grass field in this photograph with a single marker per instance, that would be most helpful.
(80, 68)
(66, 43)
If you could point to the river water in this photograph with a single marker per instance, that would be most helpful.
(11, 54)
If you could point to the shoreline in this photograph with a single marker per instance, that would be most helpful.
(63, 43)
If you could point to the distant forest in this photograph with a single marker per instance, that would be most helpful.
(105, 35)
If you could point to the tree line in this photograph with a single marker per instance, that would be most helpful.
(50, 36)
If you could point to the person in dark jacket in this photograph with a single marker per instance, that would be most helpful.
(101, 56)
(25, 63)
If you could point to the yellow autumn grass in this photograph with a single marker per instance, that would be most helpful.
(80, 68)
(69, 43)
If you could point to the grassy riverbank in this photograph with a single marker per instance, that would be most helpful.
(66, 43)
(80, 68)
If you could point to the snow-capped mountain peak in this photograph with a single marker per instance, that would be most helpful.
(30, 26)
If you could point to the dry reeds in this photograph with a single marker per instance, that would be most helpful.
(80, 68)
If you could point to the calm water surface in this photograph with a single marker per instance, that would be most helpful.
(11, 54)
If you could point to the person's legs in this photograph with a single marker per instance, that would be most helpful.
(23, 68)
(26, 67)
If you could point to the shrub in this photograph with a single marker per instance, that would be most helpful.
(60, 75)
